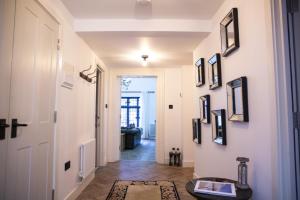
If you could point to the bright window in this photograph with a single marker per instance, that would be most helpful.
(130, 111)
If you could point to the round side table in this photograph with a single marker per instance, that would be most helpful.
(240, 194)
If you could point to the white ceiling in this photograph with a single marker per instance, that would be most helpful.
(158, 9)
(120, 31)
(124, 49)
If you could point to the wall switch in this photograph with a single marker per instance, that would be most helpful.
(170, 106)
(67, 165)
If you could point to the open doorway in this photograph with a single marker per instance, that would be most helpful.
(138, 118)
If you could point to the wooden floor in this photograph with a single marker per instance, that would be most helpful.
(136, 170)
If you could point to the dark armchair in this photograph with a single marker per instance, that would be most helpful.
(132, 137)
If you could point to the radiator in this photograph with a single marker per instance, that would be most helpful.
(87, 158)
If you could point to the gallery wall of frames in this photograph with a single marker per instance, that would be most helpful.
(236, 90)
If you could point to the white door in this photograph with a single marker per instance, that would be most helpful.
(6, 38)
(30, 148)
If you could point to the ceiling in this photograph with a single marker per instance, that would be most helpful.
(158, 9)
(124, 49)
(166, 30)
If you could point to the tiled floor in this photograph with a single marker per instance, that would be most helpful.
(145, 152)
(136, 170)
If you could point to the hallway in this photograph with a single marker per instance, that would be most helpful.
(136, 170)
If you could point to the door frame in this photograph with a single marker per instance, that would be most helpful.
(284, 161)
(100, 106)
(114, 119)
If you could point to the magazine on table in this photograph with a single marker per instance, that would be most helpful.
(215, 188)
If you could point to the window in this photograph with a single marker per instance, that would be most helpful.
(130, 111)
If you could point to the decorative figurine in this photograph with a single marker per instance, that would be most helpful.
(242, 173)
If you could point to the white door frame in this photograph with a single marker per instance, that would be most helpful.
(115, 113)
(284, 160)
(100, 150)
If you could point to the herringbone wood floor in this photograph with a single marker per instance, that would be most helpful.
(136, 170)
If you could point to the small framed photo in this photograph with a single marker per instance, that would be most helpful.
(200, 72)
(229, 28)
(205, 109)
(215, 188)
(214, 72)
(237, 100)
(196, 131)
(219, 126)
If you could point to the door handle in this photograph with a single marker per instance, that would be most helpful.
(3, 126)
(14, 127)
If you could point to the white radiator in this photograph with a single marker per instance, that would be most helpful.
(87, 158)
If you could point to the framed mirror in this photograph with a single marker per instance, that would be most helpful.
(237, 100)
(205, 109)
(229, 28)
(214, 72)
(200, 72)
(196, 131)
(219, 126)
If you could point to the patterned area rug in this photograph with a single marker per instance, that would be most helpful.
(143, 190)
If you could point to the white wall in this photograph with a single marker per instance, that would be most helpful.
(188, 112)
(173, 126)
(253, 59)
(76, 107)
(173, 132)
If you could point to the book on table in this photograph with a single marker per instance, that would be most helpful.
(215, 188)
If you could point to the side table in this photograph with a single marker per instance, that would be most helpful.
(240, 194)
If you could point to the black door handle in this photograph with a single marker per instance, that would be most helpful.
(3, 126)
(14, 127)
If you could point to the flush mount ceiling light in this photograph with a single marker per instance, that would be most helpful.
(144, 60)
(143, 2)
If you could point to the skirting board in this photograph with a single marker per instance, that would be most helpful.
(77, 191)
(185, 163)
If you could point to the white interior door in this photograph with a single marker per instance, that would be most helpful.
(30, 147)
(6, 38)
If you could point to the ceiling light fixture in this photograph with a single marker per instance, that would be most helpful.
(144, 61)
(143, 2)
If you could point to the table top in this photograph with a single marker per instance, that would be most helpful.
(241, 194)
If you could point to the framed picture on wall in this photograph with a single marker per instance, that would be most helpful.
(196, 131)
(219, 126)
(237, 100)
(229, 28)
(214, 72)
(200, 72)
(205, 109)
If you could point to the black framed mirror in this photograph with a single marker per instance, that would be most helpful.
(219, 126)
(214, 72)
(197, 131)
(237, 100)
(205, 109)
(229, 28)
(200, 72)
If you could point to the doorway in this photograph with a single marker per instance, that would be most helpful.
(138, 118)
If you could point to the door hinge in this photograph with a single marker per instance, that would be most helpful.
(293, 6)
(55, 117)
(296, 120)
(58, 44)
